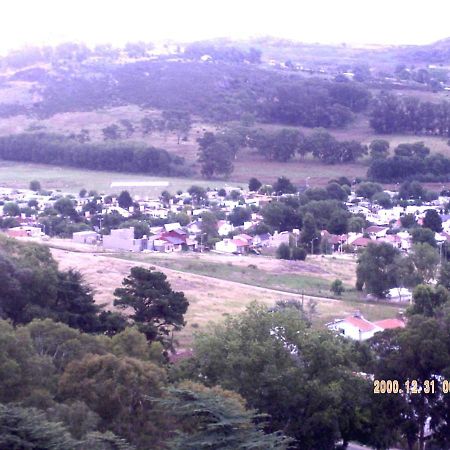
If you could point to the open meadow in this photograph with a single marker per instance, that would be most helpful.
(66, 179)
(215, 289)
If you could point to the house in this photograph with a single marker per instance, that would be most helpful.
(123, 212)
(232, 246)
(176, 242)
(244, 237)
(279, 238)
(376, 231)
(224, 228)
(161, 245)
(24, 231)
(393, 239)
(86, 237)
(159, 213)
(262, 240)
(123, 239)
(334, 241)
(354, 327)
(359, 329)
(172, 226)
(194, 227)
(360, 242)
(389, 324)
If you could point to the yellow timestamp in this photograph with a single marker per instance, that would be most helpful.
(410, 387)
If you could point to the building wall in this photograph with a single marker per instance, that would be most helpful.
(84, 238)
(226, 246)
(352, 332)
(123, 239)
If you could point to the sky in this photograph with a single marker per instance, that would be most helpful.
(38, 22)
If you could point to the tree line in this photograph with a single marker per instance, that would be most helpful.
(222, 53)
(217, 151)
(398, 168)
(393, 114)
(118, 157)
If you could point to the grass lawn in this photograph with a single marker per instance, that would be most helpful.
(19, 175)
(312, 277)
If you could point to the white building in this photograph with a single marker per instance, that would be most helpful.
(85, 237)
(232, 246)
(359, 329)
(354, 327)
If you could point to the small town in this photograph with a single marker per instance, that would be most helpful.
(242, 231)
(224, 225)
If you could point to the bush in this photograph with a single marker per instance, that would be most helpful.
(337, 287)
(298, 254)
(283, 251)
(35, 186)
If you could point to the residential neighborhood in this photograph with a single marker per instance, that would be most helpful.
(385, 223)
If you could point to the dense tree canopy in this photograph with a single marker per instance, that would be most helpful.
(248, 352)
(376, 268)
(215, 155)
(62, 151)
(395, 114)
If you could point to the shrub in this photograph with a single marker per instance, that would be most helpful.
(298, 253)
(337, 287)
(283, 251)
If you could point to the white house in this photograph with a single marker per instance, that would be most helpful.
(172, 226)
(279, 238)
(194, 227)
(232, 246)
(354, 327)
(123, 239)
(359, 329)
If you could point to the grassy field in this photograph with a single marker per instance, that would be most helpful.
(19, 175)
(213, 298)
(312, 277)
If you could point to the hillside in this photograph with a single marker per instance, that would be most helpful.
(168, 100)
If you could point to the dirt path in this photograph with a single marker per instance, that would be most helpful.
(68, 259)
